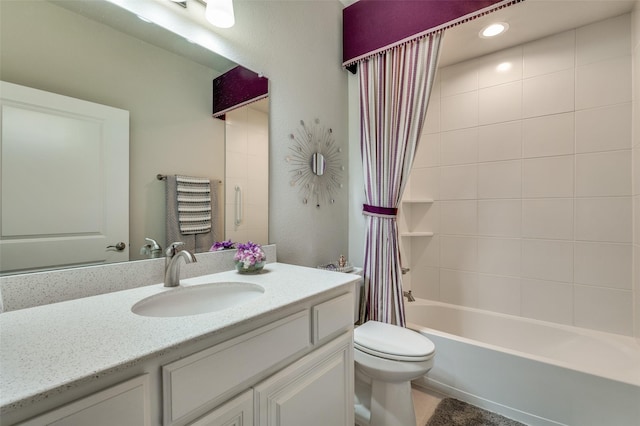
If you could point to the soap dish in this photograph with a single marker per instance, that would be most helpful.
(333, 267)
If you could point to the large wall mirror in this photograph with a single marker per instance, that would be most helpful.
(98, 52)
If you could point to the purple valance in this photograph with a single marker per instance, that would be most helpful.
(370, 26)
(236, 88)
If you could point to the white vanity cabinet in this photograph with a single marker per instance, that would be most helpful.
(321, 382)
(125, 404)
(314, 391)
(237, 412)
(286, 361)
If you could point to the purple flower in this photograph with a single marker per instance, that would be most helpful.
(249, 254)
(222, 245)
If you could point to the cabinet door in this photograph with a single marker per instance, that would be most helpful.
(317, 390)
(237, 412)
(126, 404)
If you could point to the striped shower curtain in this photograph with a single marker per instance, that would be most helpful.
(394, 93)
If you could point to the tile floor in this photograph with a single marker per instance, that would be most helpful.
(424, 402)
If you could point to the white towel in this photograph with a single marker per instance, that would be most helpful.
(194, 204)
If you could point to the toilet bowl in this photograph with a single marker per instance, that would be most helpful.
(387, 357)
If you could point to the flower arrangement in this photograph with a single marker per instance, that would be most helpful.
(223, 245)
(249, 257)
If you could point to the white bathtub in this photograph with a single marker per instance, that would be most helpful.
(532, 371)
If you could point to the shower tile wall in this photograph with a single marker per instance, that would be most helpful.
(247, 166)
(635, 19)
(527, 154)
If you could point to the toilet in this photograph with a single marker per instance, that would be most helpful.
(387, 358)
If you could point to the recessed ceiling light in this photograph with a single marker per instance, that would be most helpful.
(494, 29)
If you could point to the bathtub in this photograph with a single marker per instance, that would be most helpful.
(536, 372)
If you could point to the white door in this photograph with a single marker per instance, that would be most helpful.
(65, 180)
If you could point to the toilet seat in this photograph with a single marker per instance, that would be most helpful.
(392, 342)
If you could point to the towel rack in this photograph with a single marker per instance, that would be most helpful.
(164, 177)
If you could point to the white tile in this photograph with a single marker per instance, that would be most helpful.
(459, 111)
(547, 301)
(425, 183)
(499, 256)
(428, 153)
(548, 94)
(459, 146)
(425, 282)
(603, 174)
(425, 216)
(548, 135)
(499, 294)
(459, 217)
(603, 83)
(504, 66)
(458, 182)
(603, 129)
(459, 78)
(550, 54)
(547, 177)
(501, 179)
(432, 119)
(500, 218)
(258, 144)
(501, 141)
(635, 26)
(636, 220)
(236, 165)
(550, 218)
(458, 287)
(425, 251)
(604, 265)
(604, 219)
(235, 138)
(636, 169)
(605, 39)
(460, 253)
(547, 260)
(257, 121)
(604, 309)
(501, 103)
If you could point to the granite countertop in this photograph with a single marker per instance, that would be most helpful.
(47, 349)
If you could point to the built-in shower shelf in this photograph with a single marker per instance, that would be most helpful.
(419, 201)
(417, 234)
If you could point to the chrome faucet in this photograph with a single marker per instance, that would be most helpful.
(172, 263)
(409, 296)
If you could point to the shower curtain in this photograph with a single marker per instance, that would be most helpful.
(394, 93)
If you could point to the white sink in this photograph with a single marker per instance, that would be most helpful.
(197, 299)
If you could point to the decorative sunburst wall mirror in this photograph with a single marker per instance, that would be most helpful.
(317, 168)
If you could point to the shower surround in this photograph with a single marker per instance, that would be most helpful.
(527, 155)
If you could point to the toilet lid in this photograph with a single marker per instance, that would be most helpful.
(392, 342)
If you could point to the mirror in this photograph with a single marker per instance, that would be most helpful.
(96, 51)
(317, 164)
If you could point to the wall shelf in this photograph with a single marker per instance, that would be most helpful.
(416, 234)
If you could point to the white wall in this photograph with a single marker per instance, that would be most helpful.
(531, 171)
(298, 46)
(635, 40)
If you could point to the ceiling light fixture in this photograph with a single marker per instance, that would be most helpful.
(494, 29)
(220, 13)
